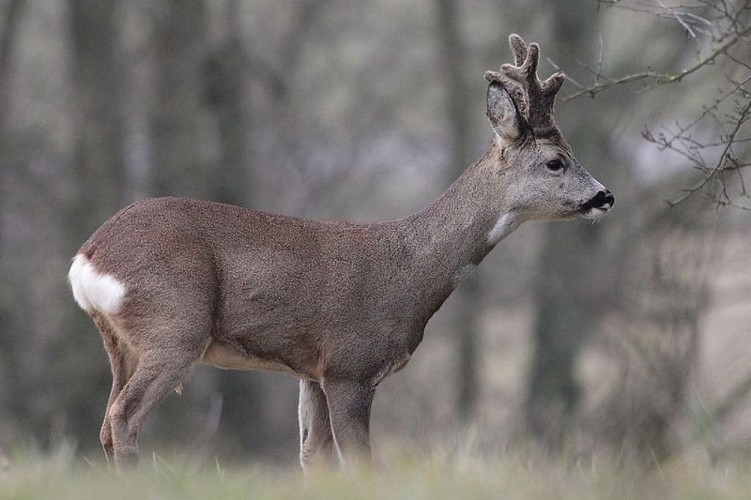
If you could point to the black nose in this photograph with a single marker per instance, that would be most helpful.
(600, 200)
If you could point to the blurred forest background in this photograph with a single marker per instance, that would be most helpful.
(629, 337)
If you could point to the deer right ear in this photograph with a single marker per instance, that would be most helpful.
(502, 112)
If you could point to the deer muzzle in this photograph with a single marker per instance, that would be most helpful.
(598, 205)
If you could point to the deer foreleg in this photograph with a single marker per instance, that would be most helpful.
(349, 411)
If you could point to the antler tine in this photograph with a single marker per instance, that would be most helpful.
(514, 89)
(518, 47)
(533, 98)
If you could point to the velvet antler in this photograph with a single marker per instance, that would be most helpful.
(533, 98)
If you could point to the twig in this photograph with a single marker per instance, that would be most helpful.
(661, 78)
(720, 162)
(678, 18)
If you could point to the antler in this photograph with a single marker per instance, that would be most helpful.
(534, 99)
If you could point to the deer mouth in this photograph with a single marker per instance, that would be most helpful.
(598, 205)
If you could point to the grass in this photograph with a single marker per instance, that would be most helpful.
(438, 476)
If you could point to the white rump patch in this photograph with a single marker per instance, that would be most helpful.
(94, 290)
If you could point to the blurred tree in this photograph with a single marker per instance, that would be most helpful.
(8, 35)
(98, 76)
(453, 55)
(663, 275)
(9, 29)
(98, 165)
(178, 122)
(663, 296)
(574, 281)
(226, 72)
(12, 15)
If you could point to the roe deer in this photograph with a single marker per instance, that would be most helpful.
(171, 282)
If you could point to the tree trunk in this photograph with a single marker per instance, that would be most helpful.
(178, 122)
(452, 56)
(226, 93)
(12, 397)
(572, 282)
(98, 77)
(568, 292)
(99, 168)
(8, 31)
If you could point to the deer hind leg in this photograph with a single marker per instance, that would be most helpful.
(316, 438)
(349, 406)
(123, 366)
(159, 371)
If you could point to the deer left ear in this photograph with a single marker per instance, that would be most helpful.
(501, 110)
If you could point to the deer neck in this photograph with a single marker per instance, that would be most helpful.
(454, 233)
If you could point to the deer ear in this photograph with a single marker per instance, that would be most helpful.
(502, 113)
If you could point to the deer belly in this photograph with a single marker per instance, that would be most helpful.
(226, 356)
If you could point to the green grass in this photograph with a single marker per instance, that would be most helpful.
(439, 476)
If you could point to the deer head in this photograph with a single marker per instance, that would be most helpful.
(546, 181)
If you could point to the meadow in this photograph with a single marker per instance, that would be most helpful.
(510, 475)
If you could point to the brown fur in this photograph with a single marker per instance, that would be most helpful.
(339, 304)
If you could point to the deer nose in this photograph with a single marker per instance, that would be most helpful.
(603, 200)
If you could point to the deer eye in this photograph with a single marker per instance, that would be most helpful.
(555, 165)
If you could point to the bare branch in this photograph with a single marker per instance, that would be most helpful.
(661, 78)
(721, 162)
(715, 141)
(678, 18)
